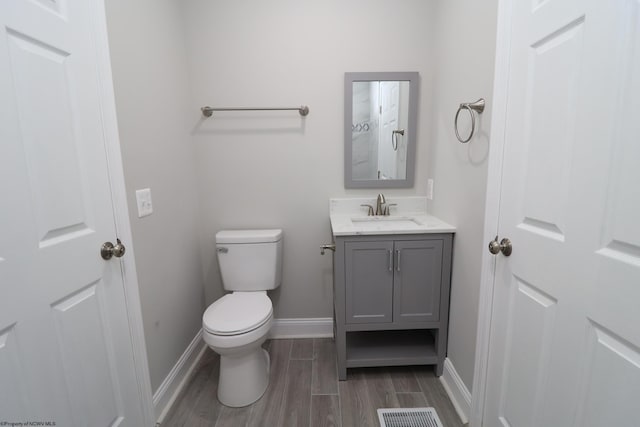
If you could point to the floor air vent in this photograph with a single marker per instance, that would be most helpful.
(409, 417)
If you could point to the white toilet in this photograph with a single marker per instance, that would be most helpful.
(236, 325)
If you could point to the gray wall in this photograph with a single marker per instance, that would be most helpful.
(151, 89)
(274, 169)
(465, 40)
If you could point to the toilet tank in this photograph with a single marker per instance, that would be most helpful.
(250, 260)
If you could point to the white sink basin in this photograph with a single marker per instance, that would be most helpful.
(385, 222)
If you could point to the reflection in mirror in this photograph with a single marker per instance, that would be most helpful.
(379, 130)
(380, 115)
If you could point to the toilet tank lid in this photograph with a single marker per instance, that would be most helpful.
(248, 236)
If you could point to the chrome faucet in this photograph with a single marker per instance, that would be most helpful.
(379, 204)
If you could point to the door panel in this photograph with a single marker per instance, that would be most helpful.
(48, 134)
(369, 275)
(417, 281)
(549, 120)
(529, 333)
(612, 380)
(13, 401)
(389, 111)
(83, 342)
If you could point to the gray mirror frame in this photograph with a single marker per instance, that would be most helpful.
(413, 78)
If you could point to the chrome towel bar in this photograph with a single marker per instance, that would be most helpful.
(208, 111)
(478, 107)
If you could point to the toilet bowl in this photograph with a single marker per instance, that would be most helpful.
(236, 325)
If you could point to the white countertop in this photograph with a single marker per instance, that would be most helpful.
(348, 218)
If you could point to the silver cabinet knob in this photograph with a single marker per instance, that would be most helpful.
(504, 246)
(108, 250)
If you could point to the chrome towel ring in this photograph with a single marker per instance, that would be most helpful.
(478, 107)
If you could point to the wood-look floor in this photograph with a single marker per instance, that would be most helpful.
(304, 391)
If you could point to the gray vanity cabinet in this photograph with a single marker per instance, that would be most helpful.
(417, 281)
(369, 295)
(391, 300)
(393, 281)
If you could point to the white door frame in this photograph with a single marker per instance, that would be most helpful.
(121, 211)
(492, 209)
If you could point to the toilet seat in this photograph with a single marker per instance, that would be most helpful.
(237, 313)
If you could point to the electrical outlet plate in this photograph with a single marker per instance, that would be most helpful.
(430, 189)
(143, 199)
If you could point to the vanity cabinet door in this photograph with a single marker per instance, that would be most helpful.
(369, 278)
(417, 281)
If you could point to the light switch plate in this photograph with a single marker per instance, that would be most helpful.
(145, 206)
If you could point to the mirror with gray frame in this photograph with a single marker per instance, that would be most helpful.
(380, 114)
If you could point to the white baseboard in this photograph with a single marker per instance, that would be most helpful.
(168, 391)
(320, 327)
(457, 391)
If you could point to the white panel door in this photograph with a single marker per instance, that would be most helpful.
(389, 110)
(65, 345)
(565, 337)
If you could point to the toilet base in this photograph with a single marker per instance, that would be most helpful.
(243, 378)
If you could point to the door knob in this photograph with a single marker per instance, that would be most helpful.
(504, 246)
(108, 250)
